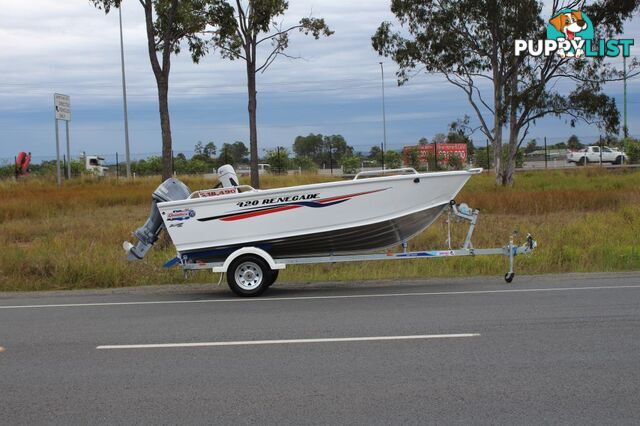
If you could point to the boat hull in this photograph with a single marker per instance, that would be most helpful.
(368, 237)
(335, 217)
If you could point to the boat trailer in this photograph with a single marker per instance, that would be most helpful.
(250, 270)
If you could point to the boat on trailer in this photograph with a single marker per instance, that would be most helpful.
(251, 234)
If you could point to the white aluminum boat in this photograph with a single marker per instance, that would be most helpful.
(367, 213)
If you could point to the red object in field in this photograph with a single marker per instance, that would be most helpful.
(445, 150)
(22, 163)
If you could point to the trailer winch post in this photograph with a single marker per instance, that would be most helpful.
(463, 212)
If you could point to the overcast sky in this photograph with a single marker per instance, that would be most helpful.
(68, 46)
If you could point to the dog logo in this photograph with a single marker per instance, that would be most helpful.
(571, 34)
(573, 26)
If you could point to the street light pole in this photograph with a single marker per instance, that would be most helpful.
(625, 129)
(124, 99)
(384, 115)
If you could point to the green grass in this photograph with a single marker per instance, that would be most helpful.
(584, 220)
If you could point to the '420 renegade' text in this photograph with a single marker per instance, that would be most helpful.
(276, 200)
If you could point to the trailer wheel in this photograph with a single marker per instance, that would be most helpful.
(508, 277)
(248, 276)
(273, 276)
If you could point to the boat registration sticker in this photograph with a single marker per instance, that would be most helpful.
(216, 192)
(182, 214)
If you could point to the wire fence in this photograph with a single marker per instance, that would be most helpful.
(113, 157)
(547, 152)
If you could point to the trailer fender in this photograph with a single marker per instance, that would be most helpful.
(249, 250)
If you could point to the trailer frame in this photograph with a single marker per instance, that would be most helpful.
(455, 212)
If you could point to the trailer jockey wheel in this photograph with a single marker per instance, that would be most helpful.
(249, 276)
(508, 277)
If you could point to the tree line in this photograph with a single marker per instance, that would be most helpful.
(314, 151)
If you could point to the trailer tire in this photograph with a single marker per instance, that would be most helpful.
(249, 276)
(273, 276)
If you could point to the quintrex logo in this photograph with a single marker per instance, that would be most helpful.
(570, 34)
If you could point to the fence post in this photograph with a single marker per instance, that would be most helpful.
(545, 152)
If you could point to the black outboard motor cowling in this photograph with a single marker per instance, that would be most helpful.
(170, 190)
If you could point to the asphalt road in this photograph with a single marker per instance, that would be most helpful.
(552, 349)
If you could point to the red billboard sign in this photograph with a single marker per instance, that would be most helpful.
(445, 150)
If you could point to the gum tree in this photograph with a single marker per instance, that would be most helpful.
(471, 44)
(249, 30)
(168, 24)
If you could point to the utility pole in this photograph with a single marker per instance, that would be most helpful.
(384, 114)
(545, 152)
(124, 99)
(625, 129)
(58, 177)
(66, 123)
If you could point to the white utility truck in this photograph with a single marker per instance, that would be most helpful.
(596, 154)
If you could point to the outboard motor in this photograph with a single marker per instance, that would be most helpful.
(227, 176)
(170, 190)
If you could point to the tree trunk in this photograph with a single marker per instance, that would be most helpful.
(165, 126)
(497, 133)
(162, 81)
(514, 131)
(253, 128)
(510, 166)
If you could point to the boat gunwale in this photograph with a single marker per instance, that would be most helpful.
(310, 187)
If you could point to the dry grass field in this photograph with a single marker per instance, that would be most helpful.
(585, 219)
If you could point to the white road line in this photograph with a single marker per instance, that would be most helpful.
(288, 341)
(349, 296)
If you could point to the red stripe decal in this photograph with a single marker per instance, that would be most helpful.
(258, 213)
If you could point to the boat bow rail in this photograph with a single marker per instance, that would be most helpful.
(403, 170)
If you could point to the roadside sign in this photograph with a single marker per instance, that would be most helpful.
(62, 110)
(62, 104)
